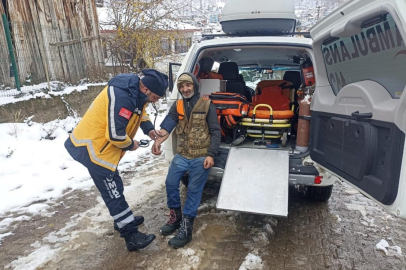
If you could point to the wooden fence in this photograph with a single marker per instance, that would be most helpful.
(52, 40)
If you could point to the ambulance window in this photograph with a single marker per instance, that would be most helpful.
(377, 53)
(215, 67)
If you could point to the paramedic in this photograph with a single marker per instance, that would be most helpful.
(198, 134)
(106, 132)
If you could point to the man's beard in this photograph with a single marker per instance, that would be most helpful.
(149, 97)
(190, 94)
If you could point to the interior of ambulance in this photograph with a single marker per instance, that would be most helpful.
(256, 91)
(357, 128)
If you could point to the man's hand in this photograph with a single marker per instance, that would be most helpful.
(162, 135)
(153, 134)
(208, 162)
(136, 145)
(156, 148)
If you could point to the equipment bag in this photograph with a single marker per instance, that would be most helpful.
(209, 75)
(230, 104)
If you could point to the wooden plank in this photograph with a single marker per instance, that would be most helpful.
(24, 37)
(74, 41)
(5, 63)
(65, 33)
(52, 13)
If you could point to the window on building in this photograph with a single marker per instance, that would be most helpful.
(182, 45)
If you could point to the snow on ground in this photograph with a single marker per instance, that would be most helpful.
(37, 91)
(63, 240)
(389, 250)
(252, 262)
(192, 258)
(36, 169)
(36, 259)
(4, 235)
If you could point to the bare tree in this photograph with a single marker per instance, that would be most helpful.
(142, 30)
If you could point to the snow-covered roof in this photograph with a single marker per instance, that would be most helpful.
(105, 18)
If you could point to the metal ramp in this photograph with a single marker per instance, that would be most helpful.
(256, 181)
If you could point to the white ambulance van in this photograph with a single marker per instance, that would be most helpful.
(352, 71)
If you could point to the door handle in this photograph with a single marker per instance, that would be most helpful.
(362, 115)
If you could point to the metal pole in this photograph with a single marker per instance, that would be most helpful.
(11, 51)
(318, 12)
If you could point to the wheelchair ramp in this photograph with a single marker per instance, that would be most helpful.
(255, 181)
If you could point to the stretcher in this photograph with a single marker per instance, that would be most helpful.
(267, 125)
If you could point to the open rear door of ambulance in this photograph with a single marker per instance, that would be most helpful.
(358, 121)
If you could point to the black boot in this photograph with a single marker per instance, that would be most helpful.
(138, 240)
(137, 219)
(173, 224)
(184, 235)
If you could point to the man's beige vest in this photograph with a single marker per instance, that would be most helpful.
(193, 134)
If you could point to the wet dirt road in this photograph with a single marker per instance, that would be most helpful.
(340, 234)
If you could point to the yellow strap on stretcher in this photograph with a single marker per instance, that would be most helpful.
(250, 124)
(265, 136)
(277, 121)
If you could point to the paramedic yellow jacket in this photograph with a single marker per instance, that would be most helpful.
(107, 129)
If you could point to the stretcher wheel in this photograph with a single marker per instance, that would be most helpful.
(284, 138)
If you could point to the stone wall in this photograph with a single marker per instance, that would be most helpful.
(48, 109)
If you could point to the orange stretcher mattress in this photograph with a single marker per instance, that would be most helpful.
(264, 113)
(209, 75)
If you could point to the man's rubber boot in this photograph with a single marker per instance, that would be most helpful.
(184, 235)
(175, 217)
(138, 240)
(137, 219)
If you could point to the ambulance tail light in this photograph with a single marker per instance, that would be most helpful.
(318, 179)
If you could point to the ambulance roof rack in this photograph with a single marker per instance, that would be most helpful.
(212, 36)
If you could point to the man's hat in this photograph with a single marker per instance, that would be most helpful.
(184, 78)
(155, 81)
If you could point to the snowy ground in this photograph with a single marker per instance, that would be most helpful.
(52, 217)
(38, 91)
(36, 169)
(315, 236)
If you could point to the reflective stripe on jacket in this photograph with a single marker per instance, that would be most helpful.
(109, 125)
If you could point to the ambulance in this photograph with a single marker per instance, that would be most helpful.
(304, 109)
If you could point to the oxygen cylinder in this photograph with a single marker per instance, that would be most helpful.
(303, 128)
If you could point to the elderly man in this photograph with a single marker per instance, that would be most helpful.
(104, 135)
(198, 133)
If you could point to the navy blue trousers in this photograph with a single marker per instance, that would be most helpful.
(111, 188)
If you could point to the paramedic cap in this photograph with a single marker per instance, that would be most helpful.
(155, 81)
(184, 78)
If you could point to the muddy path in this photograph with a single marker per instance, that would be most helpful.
(340, 234)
